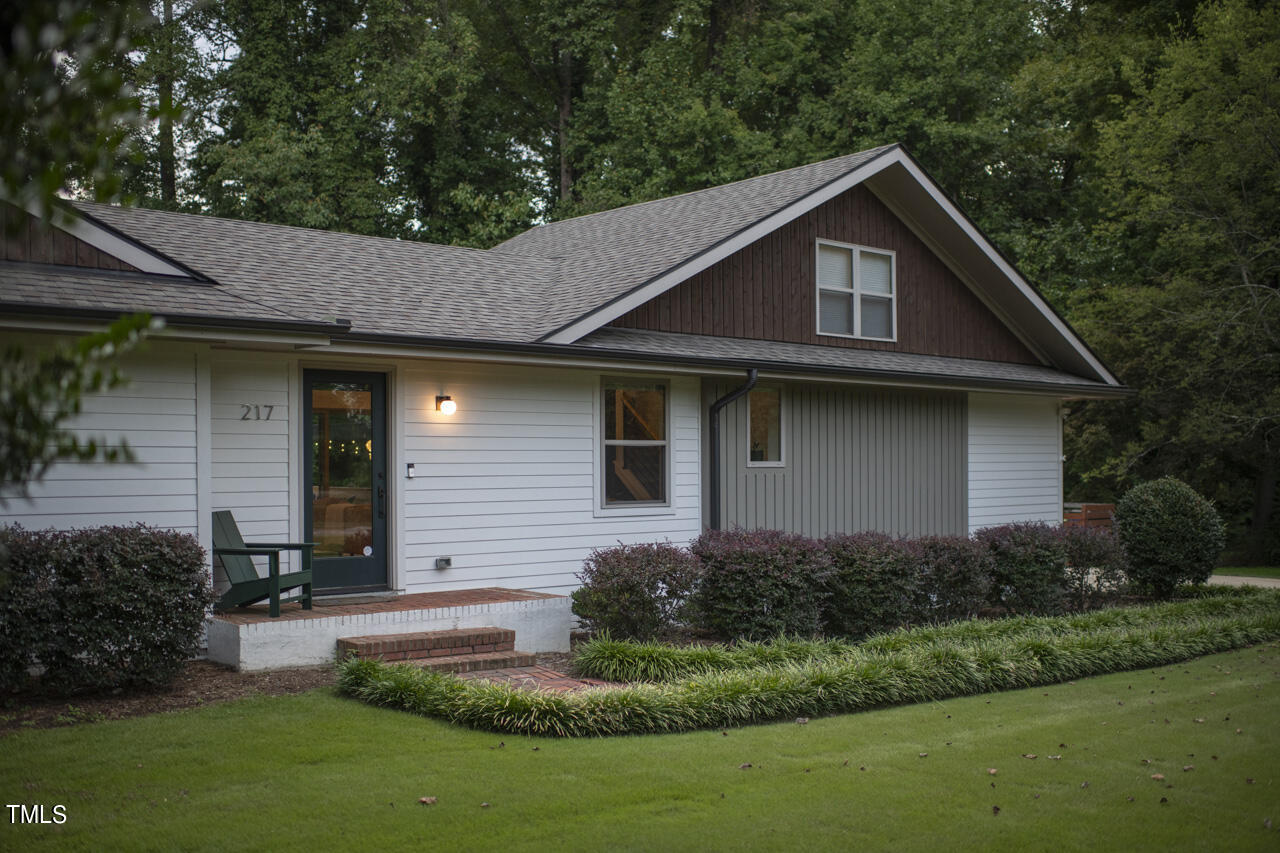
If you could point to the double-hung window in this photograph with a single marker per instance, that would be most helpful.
(856, 292)
(635, 442)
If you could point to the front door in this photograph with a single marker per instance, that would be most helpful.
(345, 493)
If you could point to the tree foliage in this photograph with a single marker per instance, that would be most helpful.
(67, 112)
(1191, 314)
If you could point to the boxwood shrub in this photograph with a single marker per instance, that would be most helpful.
(760, 583)
(100, 608)
(1170, 535)
(1028, 568)
(635, 592)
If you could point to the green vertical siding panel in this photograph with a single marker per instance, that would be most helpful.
(856, 460)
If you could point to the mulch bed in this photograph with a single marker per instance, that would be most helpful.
(199, 683)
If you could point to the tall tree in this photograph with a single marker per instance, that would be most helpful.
(361, 115)
(1192, 318)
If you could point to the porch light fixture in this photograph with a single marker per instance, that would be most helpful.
(445, 405)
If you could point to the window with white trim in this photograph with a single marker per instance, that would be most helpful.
(635, 442)
(856, 291)
(764, 427)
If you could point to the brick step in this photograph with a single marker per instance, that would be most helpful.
(476, 662)
(422, 645)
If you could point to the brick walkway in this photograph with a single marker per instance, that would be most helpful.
(536, 678)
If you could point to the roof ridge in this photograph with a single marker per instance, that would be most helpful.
(667, 198)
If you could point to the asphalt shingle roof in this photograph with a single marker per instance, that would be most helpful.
(380, 285)
(608, 254)
(74, 287)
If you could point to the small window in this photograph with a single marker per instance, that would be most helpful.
(635, 442)
(856, 292)
(764, 426)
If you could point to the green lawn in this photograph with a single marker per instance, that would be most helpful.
(1250, 571)
(320, 772)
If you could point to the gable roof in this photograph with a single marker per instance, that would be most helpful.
(550, 289)
(635, 253)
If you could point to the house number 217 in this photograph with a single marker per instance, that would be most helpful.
(259, 413)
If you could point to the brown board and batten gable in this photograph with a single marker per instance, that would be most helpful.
(767, 290)
(25, 242)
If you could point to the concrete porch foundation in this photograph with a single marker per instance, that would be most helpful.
(249, 639)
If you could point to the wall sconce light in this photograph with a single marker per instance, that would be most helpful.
(445, 405)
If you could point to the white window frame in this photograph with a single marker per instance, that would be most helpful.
(603, 509)
(854, 291)
(782, 430)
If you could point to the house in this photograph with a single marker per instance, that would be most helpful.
(440, 418)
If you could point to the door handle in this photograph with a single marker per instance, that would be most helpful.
(382, 502)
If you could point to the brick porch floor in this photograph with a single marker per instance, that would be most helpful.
(417, 601)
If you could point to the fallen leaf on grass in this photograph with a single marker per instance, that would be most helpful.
(1054, 757)
(1187, 767)
(1084, 784)
(995, 810)
(1199, 719)
(484, 805)
(1164, 800)
(427, 801)
(1028, 755)
(1249, 781)
(746, 766)
(992, 771)
(1159, 777)
(924, 755)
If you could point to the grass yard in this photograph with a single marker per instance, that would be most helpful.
(1250, 571)
(321, 772)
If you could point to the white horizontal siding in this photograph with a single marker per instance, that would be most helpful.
(251, 475)
(1015, 460)
(505, 485)
(154, 411)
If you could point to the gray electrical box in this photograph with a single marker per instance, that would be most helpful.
(444, 562)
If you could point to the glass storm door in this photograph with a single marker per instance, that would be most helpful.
(345, 499)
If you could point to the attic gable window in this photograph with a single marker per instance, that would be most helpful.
(856, 291)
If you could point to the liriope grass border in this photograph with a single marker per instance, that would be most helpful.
(862, 679)
(629, 661)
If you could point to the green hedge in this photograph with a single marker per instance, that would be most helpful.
(934, 666)
(625, 661)
(100, 608)
(1170, 534)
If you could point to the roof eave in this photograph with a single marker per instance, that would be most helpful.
(880, 376)
(73, 312)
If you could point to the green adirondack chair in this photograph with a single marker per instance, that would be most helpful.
(246, 586)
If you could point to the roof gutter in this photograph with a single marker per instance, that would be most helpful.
(713, 451)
